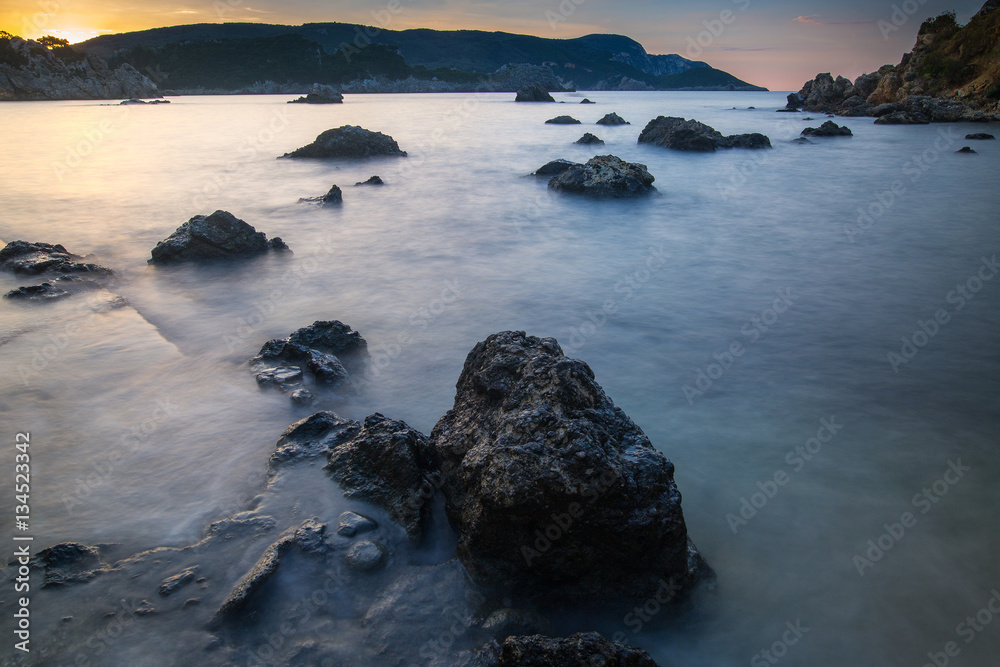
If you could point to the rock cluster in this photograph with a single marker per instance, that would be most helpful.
(605, 176)
(690, 135)
(220, 235)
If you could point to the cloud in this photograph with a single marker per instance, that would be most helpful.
(807, 19)
(815, 19)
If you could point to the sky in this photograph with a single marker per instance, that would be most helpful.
(775, 43)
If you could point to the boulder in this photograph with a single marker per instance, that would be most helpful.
(555, 167)
(38, 258)
(605, 176)
(536, 447)
(979, 136)
(562, 120)
(321, 94)
(613, 119)
(585, 648)
(589, 138)
(828, 129)
(334, 196)
(218, 236)
(690, 135)
(349, 141)
(385, 464)
(533, 93)
(366, 556)
(374, 180)
(325, 348)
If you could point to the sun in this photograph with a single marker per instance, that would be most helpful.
(74, 35)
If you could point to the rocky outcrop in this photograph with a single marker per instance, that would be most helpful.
(562, 120)
(533, 93)
(828, 129)
(44, 258)
(59, 288)
(605, 176)
(218, 236)
(384, 464)
(556, 167)
(326, 349)
(585, 648)
(374, 180)
(30, 71)
(321, 94)
(311, 438)
(613, 119)
(590, 139)
(556, 495)
(68, 563)
(690, 135)
(349, 142)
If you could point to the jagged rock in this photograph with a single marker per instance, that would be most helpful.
(828, 129)
(351, 524)
(32, 72)
(691, 135)
(68, 563)
(537, 449)
(794, 102)
(172, 584)
(42, 292)
(965, 149)
(605, 176)
(533, 93)
(556, 167)
(218, 236)
(349, 141)
(334, 196)
(38, 258)
(979, 136)
(365, 556)
(562, 120)
(589, 138)
(321, 94)
(586, 649)
(613, 119)
(312, 437)
(374, 180)
(384, 464)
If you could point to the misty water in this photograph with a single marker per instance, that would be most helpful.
(146, 425)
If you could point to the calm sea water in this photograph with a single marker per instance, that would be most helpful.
(145, 426)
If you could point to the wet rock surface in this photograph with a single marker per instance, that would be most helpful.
(220, 235)
(605, 176)
(320, 94)
(693, 136)
(311, 438)
(351, 142)
(587, 649)
(351, 523)
(590, 139)
(613, 119)
(534, 442)
(68, 563)
(828, 129)
(34, 259)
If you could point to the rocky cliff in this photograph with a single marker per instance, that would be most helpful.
(30, 71)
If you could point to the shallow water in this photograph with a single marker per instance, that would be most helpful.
(145, 426)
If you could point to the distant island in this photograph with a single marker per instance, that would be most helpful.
(232, 58)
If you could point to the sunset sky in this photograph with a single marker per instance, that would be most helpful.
(774, 43)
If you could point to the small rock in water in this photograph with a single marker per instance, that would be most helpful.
(349, 141)
(321, 94)
(613, 119)
(366, 556)
(828, 129)
(965, 149)
(302, 397)
(37, 258)
(220, 235)
(43, 292)
(802, 140)
(589, 138)
(352, 523)
(374, 180)
(191, 602)
(534, 93)
(586, 101)
(979, 136)
(563, 120)
(280, 376)
(145, 608)
(605, 176)
(172, 584)
(334, 196)
(691, 135)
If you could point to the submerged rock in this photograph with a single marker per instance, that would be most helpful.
(174, 583)
(965, 149)
(366, 556)
(605, 176)
(350, 524)
(68, 563)
(556, 167)
(586, 649)
(38, 258)
(690, 135)
(42, 292)
(828, 129)
(218, 236)
(613, 119)
(563, 120)
(537, 449)
(979, 136)
(533, 93)
(586, 101)
(312, 437)
(385, 464)
(589, 138)
(321, 94)
(349, 141)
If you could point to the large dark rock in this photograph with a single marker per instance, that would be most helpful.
(38, 258)
(555, 167)
(613, 119)
(385, 464)
(690, 135)
(218, 236)
(533, 93)
(828, 129)
(349, 141)
(556, 494)
(587, 649)
(562, 120)
(321, 94)
(605, 176)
